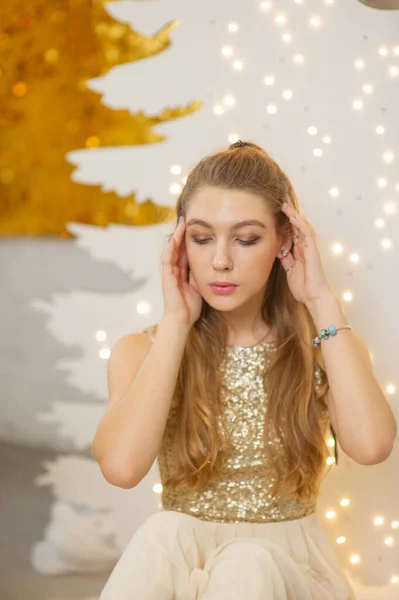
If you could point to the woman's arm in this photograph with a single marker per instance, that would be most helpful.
(130, 433)
(360, 414)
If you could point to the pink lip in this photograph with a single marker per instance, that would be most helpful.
(223, 289)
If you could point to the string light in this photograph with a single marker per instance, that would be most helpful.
(229, 101)
(227, 51)
(175, 169)
(175, 189)
(233, 27)
(233, 138)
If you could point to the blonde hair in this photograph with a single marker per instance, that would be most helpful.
(293, 409)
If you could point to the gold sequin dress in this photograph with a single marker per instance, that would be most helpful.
(232, 540)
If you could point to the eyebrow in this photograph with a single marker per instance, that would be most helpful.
(235, 226)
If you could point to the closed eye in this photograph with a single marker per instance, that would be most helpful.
(243, 242)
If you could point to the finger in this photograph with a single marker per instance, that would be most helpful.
(178, 236)
(168, 252)
(301, 225)
(183, 263)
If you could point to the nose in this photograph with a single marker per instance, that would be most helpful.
(221, 259)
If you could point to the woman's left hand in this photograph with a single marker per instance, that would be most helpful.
(306, 279)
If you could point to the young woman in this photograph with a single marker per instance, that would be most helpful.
(235, 392)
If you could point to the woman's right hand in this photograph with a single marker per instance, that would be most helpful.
(181, 298)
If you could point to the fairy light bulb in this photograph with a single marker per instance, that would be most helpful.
(386, 244)
(388, 156)
(390, 208)
(233, 27)
(280, 19)
(101, 336)
(227, 51)
(229, 101)
(143, 308)
(266, 6)
(175, 189)
(337, 249)
(315, 21)
(175, 169)
(388, 541)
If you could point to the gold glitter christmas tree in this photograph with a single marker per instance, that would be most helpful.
(48, 51)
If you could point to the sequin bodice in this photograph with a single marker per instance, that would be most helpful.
(242, 493)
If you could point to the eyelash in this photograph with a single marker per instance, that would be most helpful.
(242, 242)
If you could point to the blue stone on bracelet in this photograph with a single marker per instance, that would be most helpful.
(324, 334)
(332, 330)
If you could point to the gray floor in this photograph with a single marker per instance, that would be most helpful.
(24, 513)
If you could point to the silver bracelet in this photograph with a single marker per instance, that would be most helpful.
(325, 334)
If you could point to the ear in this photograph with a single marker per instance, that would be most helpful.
(287, 236)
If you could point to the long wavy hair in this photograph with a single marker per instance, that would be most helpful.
(293, 411)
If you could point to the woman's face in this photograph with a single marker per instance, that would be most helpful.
(241, 255)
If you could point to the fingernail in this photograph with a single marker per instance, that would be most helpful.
(179, 221)
(169, 240)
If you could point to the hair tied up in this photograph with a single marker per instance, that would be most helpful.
(239, 144)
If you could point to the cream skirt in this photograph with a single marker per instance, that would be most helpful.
(175, 556)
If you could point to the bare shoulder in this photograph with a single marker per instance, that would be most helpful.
(134, 341)
(127, 356)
